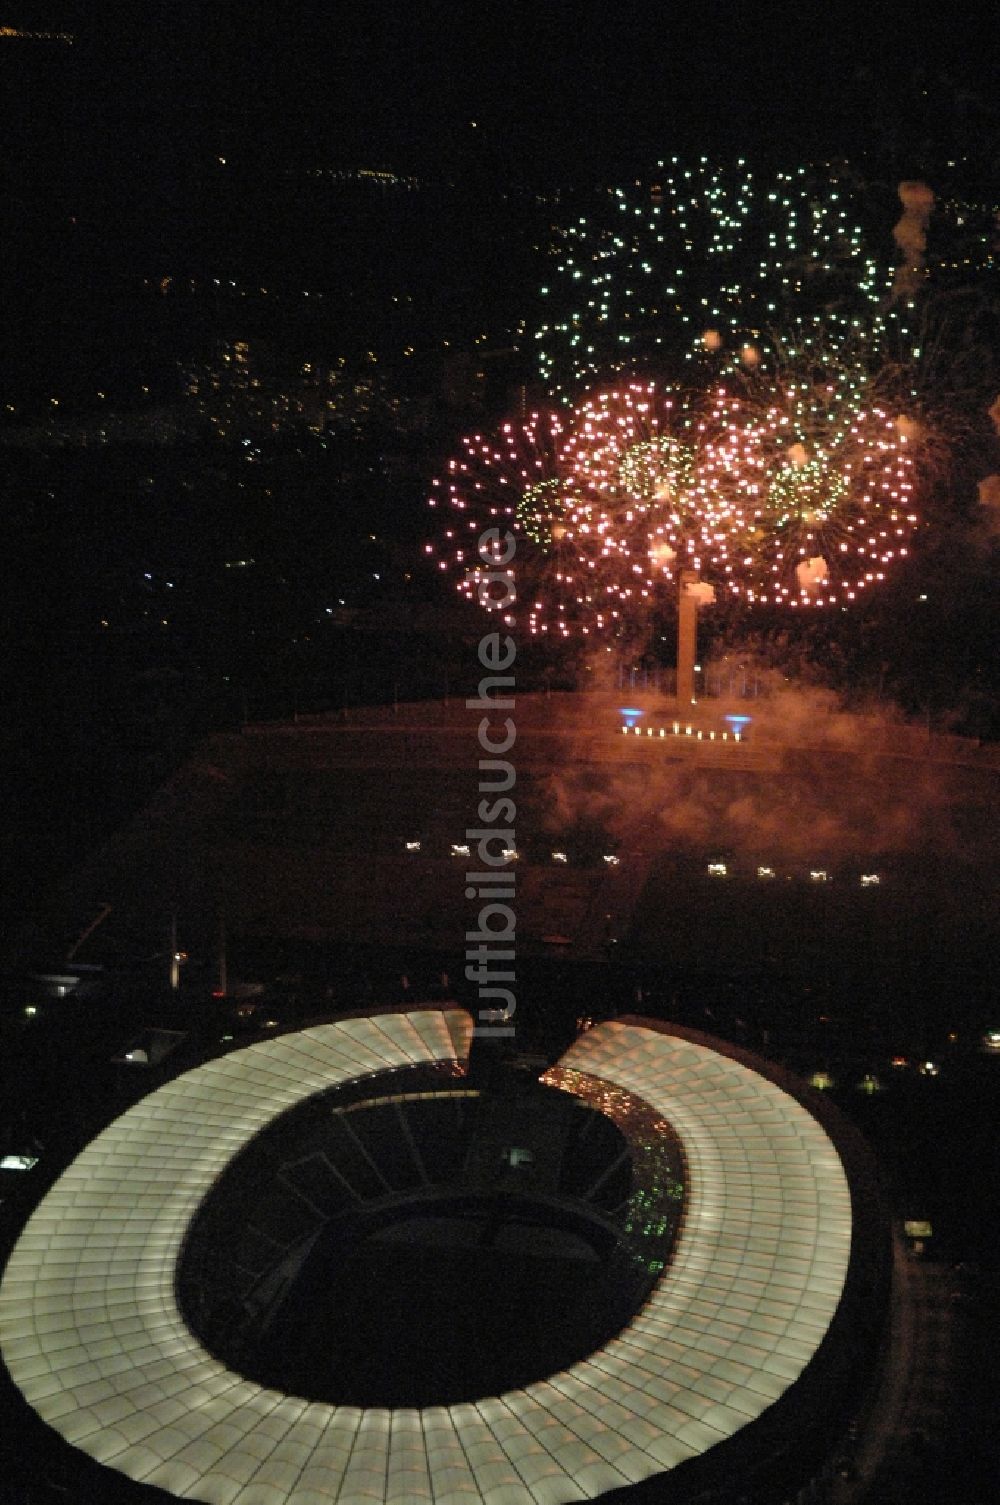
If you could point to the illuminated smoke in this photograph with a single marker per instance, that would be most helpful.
(989, 501)
(829, 786)
(994, 413)
(700, 591)
(910, 235)
(812, 573)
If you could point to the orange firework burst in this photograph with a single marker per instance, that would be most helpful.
(512, 480)
(830, 497)
(655, 484)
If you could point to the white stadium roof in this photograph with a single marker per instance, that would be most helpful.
(92, 1335)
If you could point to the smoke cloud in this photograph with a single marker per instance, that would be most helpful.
(989, 501)
(700, 591)
(812, 573)
(817, 786)
(994, 413)
(910, 430)
(910, 235)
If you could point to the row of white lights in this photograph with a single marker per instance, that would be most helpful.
(462, 849)
(816, 874)
(677, 730)
(715, 869)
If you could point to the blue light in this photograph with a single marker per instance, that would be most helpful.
(631, 714)
(737, 722)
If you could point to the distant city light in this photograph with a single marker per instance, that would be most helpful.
(18, 1162)
(412, 846)
(870, 880)
(718, 869)
(559, 857)
(459, 849)
(821, 1080)
(819, 875)
(16, 32)
(611, 859)
(765, 872)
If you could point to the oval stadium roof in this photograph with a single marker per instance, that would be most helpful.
(92, 1335)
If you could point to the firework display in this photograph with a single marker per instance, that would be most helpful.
(696, 268)
(703, 270)
(828, 499)
(606, 504)
(739, 401)
(780, 495)
(656, 480)
(512, 480)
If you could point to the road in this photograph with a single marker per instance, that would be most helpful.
(919, 1382)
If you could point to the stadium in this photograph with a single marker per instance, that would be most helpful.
(725, 1232)
(342, 1250)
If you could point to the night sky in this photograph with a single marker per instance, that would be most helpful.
(553, 88)
(121, 134)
